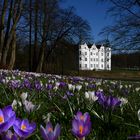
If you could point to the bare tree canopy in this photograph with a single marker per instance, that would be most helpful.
(40, 25)
(125, 33)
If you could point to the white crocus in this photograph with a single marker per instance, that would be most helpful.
(123, 101)
(137, 89)
(15, 104)
(71, 87)
(121, 86)
(86, 84)
(29, 106)
(91, 96)
(139, 114)
(55, 88)
(87, 95)
(78, 87)
(24, 96)
(47, 117)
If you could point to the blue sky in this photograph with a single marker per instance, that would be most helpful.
(94, 12)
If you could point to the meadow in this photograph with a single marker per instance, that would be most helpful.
(80, 107)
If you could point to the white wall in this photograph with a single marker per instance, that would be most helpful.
(94, 58)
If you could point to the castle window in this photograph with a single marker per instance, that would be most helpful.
(96, 53)
(96, 59)
(85, 59)
(85, 65)
(80, 52)
(101, 54)
(91, 65)
(102, 60)
(91, 59)
(107, 54)
(102, 65)
(80, 58)
(91, 53)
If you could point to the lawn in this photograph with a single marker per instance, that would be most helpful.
(110, 106)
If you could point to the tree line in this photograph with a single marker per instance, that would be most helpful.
(35, 29)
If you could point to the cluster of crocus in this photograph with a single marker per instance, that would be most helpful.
(28, 106)
(81, 125)
(108, 102)
(22, 128)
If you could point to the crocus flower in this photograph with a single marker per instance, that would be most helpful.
(91, 96)
(9, 136)
(29, 106)
(48, 133)
(123, 101)
(68, 94)
(15, 104)
(24, 96)
(7, 118)
(27, 83)
(38, 85)
(23, 128)
(15, 84)
(78, 87)
(108, 102)
(49, 86)
(81, 125)
(71, 87)
(62, 84)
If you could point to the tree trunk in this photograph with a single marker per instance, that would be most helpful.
(43, 47)
(6, 48)
(41, 57)
(2, 26)
(9, 39)
(13, 52)
(30, 36)
(35, 37)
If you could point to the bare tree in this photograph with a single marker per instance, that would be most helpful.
(125, 33)
(9, 27)
(2, 27)
(50, 25)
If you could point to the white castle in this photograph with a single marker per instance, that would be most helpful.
(95, 57)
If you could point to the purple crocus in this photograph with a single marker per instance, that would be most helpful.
(68, 94)
(23, 128)
(81, 125)
(26, 83)
(62, 84)
(48, 133)
(49, 86)
(38, 85)
(15, 84)
(7, 118)
(108, 102)
(9, 136)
